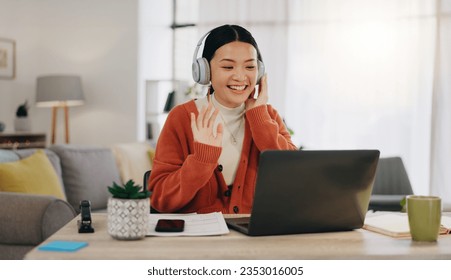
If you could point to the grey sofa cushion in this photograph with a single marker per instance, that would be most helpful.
(14, 252)
(87, 171)
(27, 220)
(8, 156)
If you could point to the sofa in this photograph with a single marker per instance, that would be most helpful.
(41, 189)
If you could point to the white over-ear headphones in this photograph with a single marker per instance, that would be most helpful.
(201, 67)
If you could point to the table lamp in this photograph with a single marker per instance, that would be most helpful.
(60, 91)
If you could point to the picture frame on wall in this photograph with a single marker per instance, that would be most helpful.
(7, 59)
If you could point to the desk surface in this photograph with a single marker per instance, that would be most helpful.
(357, 244)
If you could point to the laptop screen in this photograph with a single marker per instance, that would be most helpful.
(312, 191)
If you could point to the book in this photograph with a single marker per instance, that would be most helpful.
(397, 224)
(169, 102)
(63, 246)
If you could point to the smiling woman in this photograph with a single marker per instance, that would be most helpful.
(207, 153)
(234, 72)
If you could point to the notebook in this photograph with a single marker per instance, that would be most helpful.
(310, 191)
(396, 224)
(63, 246)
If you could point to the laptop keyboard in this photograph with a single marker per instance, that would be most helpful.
(246, 225)
(241, 222)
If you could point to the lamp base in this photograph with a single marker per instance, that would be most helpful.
(66, 122)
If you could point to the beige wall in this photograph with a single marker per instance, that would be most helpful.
(97, 40)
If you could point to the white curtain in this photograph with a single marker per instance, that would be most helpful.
(361, 76)
(350, 74)
(441, 112)
(267, 21)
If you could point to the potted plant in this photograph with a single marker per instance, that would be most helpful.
(128, 211)
(22, 122)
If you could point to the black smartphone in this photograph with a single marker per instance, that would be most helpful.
(169, 225)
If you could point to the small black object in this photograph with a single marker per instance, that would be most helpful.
(169, 102)
(170, 225)
(85, 224)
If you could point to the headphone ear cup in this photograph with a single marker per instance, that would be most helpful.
(195, 71)
(201, 71)
(261, 70)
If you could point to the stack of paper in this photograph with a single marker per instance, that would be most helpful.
(195, 224)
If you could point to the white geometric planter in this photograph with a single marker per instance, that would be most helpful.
(128, 218)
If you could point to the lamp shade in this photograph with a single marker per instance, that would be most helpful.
(59, 91)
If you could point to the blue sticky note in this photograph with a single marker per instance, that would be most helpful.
(63, 246)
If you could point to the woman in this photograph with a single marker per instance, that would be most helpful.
(207, 154)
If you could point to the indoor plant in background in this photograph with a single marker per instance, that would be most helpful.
(128, 211)
(22, 122)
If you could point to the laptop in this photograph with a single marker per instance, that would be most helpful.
(310, 192)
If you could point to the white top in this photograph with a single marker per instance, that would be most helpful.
(232, 120)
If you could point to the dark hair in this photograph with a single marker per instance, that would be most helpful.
(225, 34)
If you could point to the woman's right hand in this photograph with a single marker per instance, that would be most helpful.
(203, 127)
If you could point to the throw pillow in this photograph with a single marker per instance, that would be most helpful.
(132, 160)
(53, 158)
(34, 175)
(151, 154)
(87, 171)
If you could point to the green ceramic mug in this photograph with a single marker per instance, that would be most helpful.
(424, 214)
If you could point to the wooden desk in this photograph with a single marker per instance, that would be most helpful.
(357, 244)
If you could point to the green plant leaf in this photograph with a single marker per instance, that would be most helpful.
(128, 191)
(131, 188)
(22, 110)
(121, 195)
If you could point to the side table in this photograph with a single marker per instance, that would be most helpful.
(22, 140)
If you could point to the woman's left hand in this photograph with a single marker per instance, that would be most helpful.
(262, 97)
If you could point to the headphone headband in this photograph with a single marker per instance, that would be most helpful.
(198, 46)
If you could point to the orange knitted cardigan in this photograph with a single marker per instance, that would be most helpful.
(185, 175)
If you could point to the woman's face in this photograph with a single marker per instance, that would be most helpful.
(234, 73)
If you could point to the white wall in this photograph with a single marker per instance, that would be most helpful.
(155, 50)
(97, 40)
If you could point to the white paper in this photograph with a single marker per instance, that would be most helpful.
(396, 222)
(195, 224)
(446, 222)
